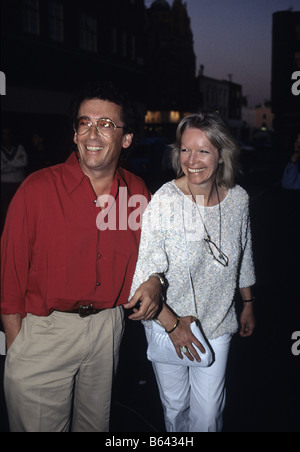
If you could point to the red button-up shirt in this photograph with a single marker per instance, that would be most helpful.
(59, 250)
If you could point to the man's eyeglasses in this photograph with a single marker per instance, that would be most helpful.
(216, 253)
(105, 127)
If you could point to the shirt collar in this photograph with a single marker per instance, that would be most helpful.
(73, 175)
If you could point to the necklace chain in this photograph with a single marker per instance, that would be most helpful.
(223, 259)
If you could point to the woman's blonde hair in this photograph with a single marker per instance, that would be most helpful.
(219, 135)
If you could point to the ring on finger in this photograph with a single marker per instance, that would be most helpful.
(184, 350)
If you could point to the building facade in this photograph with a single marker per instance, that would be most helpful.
(52, 43)
(51, 48)
(285, 62)
(170, 62)
(223, 96)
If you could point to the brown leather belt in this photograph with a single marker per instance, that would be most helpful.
(85, 311)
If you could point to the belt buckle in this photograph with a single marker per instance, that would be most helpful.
(86, 311)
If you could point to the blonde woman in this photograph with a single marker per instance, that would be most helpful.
(196, 235)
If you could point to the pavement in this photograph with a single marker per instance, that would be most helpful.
(263, 389)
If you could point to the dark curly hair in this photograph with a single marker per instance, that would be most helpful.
(111, 92)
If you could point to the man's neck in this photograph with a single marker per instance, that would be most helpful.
(102, 186)
(101, 182)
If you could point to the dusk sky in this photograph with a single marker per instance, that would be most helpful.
(235, 37)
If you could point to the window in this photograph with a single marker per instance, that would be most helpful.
(31, 16)
(174, 117)
(56, 21)
(88, 33)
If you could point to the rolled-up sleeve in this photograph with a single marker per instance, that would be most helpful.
(152, 255)
(247, 270)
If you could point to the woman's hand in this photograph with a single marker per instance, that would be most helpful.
(247, 320)
(182, 337)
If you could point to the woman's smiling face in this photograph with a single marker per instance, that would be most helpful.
(199, 159)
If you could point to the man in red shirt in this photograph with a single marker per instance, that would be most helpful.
(68, 256)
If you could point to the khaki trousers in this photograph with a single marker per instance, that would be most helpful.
(59, 372)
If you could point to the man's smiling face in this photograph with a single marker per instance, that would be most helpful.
(97, 152)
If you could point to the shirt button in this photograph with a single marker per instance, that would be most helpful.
(98, 284)
(99, 256)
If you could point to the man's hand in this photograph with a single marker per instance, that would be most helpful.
(247, 320)
(12, 326)
(149, 294)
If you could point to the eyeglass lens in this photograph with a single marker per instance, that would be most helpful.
(105, 127)
(217, 254)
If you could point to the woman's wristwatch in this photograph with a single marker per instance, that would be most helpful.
(161, 279)
(162, 283)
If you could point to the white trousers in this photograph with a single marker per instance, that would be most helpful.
(193, 398)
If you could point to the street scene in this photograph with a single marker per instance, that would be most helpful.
(263, 381)
(91, 100)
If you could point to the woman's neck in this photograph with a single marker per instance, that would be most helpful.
(210, 193)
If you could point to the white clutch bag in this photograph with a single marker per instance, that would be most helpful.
(161, 349)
